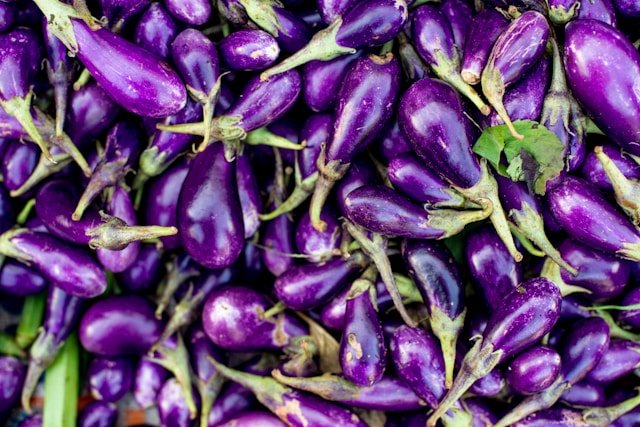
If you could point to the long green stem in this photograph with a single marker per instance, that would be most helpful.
(30, 319)
(61, 386)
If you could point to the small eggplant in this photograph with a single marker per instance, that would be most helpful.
(484, 30)
(330, 10)
(598, 10)
(585, 395)
(18, 279)
(249, 50)
(620, 359)
(91, 112)
(110, 378)
(362, 172)
(148, 380)
(98, 414)
(12, 374)
(526, 314)
(318, 246)
(459, 14)
(193, 12)
(533, 370)
(321, 80)
(145, 271)
(211, 235)
(207, 382)
(593, 171)
(233, 318)
(279, 243)
(365, 99)
(392, 143)
(119, 12)
(618, 116)
(364, 25)
(156, 30)
(172, 405)
(18, 164)
(518, 48)
(119, 325)
(589, 218)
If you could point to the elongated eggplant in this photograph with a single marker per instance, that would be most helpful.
(459, 14)
(620, 359)
(589, 218)
(91, 112)
(156, 30)
(119, 12)
(518, 48)
(19, 162)
(593, 171)
(278, 239)
(584, 394)
(60, 73)
(616, 115)
(207, 382)
(362, 111)
(212, 236)
(110, 378)
(321, 80)
(434, 41)
(172, 405)
(484, 30)
(533, 370)
(365, 25)
(431, 117)
(525, 315)
(249, 50)
(392, 143)
(18, 279)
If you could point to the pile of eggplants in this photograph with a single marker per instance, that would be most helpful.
(320, 213)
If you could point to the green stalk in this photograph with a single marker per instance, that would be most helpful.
(31, 319)
(61, 385)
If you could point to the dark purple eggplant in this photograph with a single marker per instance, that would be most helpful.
(12, 375)
(7, 17)
(484, 30)
(413, 66)
(631, 317)
(627, 8)
(110, 378)
(459, 15)
(533, 370)
(589, 218)
(18, 279)
(362, 172)
(253, 418)
(7, 210)
(621, 358)
(156, 30)
(98, 414)
(119, 325)
(291, 406)
(91, 112)
(526, 314)
(392, 143)
(119, 12)
(249, 50)
(278, 240)
(233, 319)
(321, 80)
(518, 48)
(18, 164)
(598, 10)
(193, 13)
(617, 66)
(365, 25)
(149, 378)
(585, 395)
(369, 90)
(438, 279)
(60, 73)
(207, 382)
(431, 117)
(434, 40)
(318, 246)
(145, 271)
(332, 9)
(249, 195)
(493, 269)
(212, 236)
(62, 315)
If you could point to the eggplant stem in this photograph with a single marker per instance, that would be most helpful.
(20, 108)
(603, 417)
(114, 234)
(329, 173)
(447, 330)
(105, 175)
(524, 241)
(82, 80)
(59, 16)
(152, 163)
(42, 353)
(262, 136)
(493, 88)
(627, 191)
(300, 193)
(44, 169)
(453, 221)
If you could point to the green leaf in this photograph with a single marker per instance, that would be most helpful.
(536, 159)
(61, 387)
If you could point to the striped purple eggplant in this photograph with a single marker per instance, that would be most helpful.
(195, 12)
(484, 30)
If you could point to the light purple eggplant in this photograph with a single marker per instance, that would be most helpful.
(364, 25)
(493, 269)
(321, 80)
(149, 378)
(354, 128)
(525, 315)
(231, 313)
(598, 10)
(593, 171)
(278, 239)
(584, 395)
(110, 378)
(60, 72)
(518, 48)
(620, 359)
(172, 405)
(533, 370)
(631, 317)
(319, 246)
(12, 373)
(141, 82)
(617, 115)
(249, 50)
(212, 236)
(438, 279)
(62, 314)
(291, 406)
(431, 117)
(434, 40)
(98, 414)
(119, 325)
(193, 13)
(156, 30)
(249, 195)
(484, 30)
(589, 218)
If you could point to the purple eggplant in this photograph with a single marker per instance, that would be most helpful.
(110, 378)
(380, 209)
(212, 236)
(12, 374)
(230, 314)
(207, 382)
(98, 414)
(392, 143)
(60, 73)
(21, 56)
(593, 171)
(321, 80)
(459, 14)
(318, 246)
(119, 12)
(67, 267)
(354, 128)
(411, 177)
(253, 418)
(310, 285)
(518, 48)
(291, 406)
(431, 117)
(232, 400)
(193, 13)
(598, 10)
(584, 394)
(18, 279)
(365, 25)
(627, 8)
(119, 325)
(172, 405)
(156, 30)
(438, 279)
(7, 17)
(533, 370)
(589, 218)
(18, 164)
(62, 315)
(249, 50)
(413, 66)
(91, 112)
(526, 314)
(485, 29)
(491, 385)
(362, 172)
(7, 211)
(616, 115)
(493, 269)
(141, 82)
(434, 40)
(631, 317)
(278, 240)
(249, 195)
(330, 10)
(149, 378)
(620, 359)
(145, 271)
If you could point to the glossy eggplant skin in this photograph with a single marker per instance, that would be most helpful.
(229, 314)
(598, 10)
(533, 370)
(620, 359)
(98, 414)
(156, 30)
(213, 236)
(11, 378)
(196, 59)
(583, 347)
(145, 272)
(140, 83)
(91, 111)
(321, 81)
(119, 325)
(110, 378)
(194, 13)
(597, 54)
(320, 246)
(485, 29)
(19, 161)
(589, 218)
(631, 317)
(20, 280)
(249, 50)
(172, 405)
(592, 170)
(279, 241)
